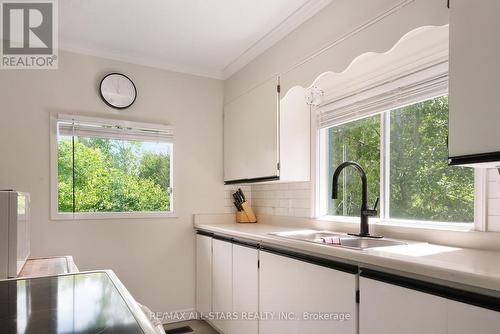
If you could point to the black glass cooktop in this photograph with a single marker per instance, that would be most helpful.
(81, 303)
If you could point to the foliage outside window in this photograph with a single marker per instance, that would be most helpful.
(421, 185)
(112, 175)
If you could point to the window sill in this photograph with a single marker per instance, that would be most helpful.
(388, 223)
(112, 215)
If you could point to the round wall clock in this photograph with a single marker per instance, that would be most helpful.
(117, 91)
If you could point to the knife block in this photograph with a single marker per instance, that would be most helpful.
(247, 215)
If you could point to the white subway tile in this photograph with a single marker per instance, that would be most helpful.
(300, 194)
(283, 212)
(229, 210)
(301, 203)
(300, 185)
(301, 213)
(285, 203)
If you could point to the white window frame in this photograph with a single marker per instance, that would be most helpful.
(54, 208)
(323, 184)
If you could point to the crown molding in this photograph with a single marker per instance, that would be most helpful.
(305, 12)
(141, 60)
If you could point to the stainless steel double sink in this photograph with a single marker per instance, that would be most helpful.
(337, 239)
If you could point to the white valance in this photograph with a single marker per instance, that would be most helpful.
(409, 89)
(71, 125)
(415, 69)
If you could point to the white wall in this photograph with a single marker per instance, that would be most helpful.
(153, 257)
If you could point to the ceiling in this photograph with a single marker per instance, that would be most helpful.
(213, 38)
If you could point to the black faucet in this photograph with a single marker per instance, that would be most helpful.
(365, 212)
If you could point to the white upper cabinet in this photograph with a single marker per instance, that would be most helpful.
(474, 98)
(251, 135)
(295, 136)
(265, 138)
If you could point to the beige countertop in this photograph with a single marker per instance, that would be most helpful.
(477, 270)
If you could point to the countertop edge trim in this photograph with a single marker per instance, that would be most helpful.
(320, 261)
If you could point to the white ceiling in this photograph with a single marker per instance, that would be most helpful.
(213, 38)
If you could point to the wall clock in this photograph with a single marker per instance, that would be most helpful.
(117, 91)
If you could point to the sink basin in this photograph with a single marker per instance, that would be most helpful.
(363, 243)
(337, 239)
(310, 235)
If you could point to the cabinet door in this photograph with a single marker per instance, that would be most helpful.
(251, 134)
(203, 274)
(466, 319)
(390, 309)
(222, 283)
(245, 289)
(295, 136)
(290, 287)
(474, 100)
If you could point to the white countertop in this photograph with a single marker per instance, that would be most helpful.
(470, 267)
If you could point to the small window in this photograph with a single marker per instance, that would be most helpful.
(112, 169)
(412, 179)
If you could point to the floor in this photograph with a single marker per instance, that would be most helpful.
(198, 327)
(48, 266)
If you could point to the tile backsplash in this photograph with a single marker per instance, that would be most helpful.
(282, 199)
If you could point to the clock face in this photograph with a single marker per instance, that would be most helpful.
(118, 91)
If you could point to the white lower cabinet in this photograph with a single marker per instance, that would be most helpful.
(222, 284)
(390, 309)
(289, 288)
(467, 319)
(294, 297)
(235, 287)
(203, 274)
(245, 289)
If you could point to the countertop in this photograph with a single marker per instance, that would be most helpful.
(476, 270)
(87, 302)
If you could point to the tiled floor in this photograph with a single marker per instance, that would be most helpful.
(198, 326)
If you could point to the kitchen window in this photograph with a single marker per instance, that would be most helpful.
(111, 169)
(404, 153)
(392, 118)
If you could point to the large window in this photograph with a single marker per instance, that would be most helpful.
(105, 168)
(404, 153)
